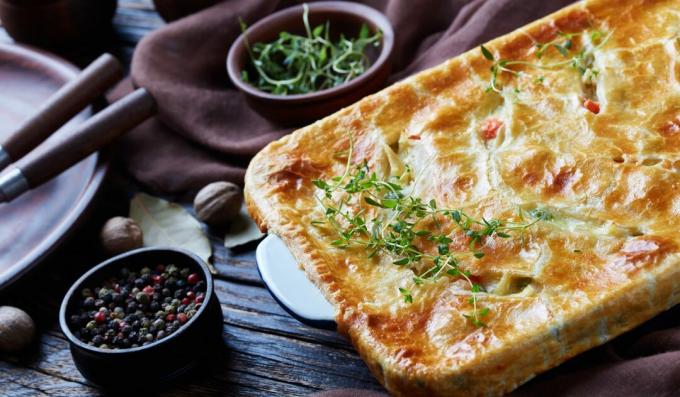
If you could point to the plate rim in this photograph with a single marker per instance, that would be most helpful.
(321, 322)
(76, 215)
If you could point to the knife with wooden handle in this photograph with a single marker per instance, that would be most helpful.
(68, 101)
(98, 131)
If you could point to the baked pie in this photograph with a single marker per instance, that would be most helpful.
(489, 218)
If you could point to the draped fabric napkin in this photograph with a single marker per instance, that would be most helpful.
(205, 132)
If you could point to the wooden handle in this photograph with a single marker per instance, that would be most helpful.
(68, 101)
(91, 136)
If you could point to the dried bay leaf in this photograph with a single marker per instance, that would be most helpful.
(167, 224)
(242, 230)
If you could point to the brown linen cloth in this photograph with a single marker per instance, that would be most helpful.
(205, 132)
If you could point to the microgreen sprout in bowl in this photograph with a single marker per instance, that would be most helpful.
(301, 64)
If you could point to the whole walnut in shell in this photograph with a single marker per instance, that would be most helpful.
(218, 203)
(16, 329)
(121, 234)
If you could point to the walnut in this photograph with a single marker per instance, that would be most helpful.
(218, 203)
(16, 329)
(121, 234)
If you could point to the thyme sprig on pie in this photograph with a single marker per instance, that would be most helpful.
(392, 221)
(581, 60)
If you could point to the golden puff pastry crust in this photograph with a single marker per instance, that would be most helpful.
(609, 173)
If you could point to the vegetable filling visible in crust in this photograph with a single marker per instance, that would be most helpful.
(417, 235)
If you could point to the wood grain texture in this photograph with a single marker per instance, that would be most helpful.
(267, 352)
(28, 80)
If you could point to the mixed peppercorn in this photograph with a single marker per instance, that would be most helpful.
(134, 309)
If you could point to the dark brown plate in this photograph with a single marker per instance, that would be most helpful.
(37, 222)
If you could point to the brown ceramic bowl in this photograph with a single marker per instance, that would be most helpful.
(345, 18)
(57, 23)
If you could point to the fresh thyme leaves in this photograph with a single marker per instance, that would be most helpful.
(487, 54)
(562, 44)
(475, 319)
(380, 216)
(300, 64)
(582, 61)
(408, 298)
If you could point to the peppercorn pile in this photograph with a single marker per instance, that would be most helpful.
(138, 308)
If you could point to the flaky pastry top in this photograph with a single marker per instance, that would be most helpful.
(598, 149)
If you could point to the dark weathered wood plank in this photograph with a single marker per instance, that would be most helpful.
(236, 265)
(19, 381)
(51, 357)
(264, 345)
(254, 308)
(133, 21)
(283, 325)
(292, 361)
(271, 363)
(239, 384)
(239, 270)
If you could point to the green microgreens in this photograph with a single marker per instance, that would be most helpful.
(297, 64)
(581, 61)
(399, 225)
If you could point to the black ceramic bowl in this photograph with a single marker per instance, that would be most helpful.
(158, 362)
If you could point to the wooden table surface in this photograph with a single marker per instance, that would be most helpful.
(267, 352)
